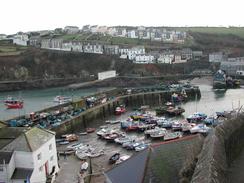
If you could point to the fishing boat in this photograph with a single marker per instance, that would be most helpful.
(175, 111)
(172, 135)
(124, 139)
(219, 80)
(110, 137)
(120, 110)
(186, 127)
(141, 147)
(70, 137)
(62, 99)
(75, 146)
(122, 158)
(15, 105)
(176, 125)
(196, 117)
(158, 134)
(65, 142)
(112, 121)
(200, 128)
(114, 158)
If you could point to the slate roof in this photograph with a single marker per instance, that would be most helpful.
(8, 134)
(130, 171)
(5, 157)
(21, 173)
(28, 140)
(159, 163)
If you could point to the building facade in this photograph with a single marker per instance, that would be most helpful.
(30, 156)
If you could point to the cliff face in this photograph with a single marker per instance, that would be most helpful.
(46, 64)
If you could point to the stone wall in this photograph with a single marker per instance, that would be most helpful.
(220, 148)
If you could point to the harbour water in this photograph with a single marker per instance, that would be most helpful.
(35, 100)
(210, 102)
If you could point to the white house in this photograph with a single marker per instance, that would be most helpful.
(138, 50)
(29, 154)
(93, 48)
(144, 59)
(21, 39)
(217, 57)
(178, 59)
(132, 34)
(106, 75)
(71, 29)
(166, 58)
(121, 32)
(94, 29)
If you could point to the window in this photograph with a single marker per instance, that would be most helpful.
(40, 169)
(50, 147)
(1, 168)
(51, 159)
(39, 156)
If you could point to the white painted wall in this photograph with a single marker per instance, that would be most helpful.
(46, 154)
(106, 74)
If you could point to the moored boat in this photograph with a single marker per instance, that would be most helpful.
(172, 135)
(120, 110)
(114, 158)
(62, 99)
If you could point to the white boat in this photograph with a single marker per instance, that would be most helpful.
(62, 99)
(122, 158)
(158, 134)
(176, 125)
(112, 121)
(185, 127)
(151, 131)
(141, 147)
(200, 128)
(172, 135)
(75, 146)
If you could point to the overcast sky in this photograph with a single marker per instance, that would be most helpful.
(29, 15)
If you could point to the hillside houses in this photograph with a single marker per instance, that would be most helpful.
(71, 29)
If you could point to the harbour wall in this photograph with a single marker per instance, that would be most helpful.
(107, 109)
(220, 149)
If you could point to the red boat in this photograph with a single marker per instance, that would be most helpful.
(15, 104)
(120, 110)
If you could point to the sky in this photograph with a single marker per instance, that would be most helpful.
(31, 15)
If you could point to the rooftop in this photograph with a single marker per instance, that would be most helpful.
(5, 157)
(27, 140)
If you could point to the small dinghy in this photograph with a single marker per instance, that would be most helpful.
(114, 158)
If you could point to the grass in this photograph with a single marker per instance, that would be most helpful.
(237, 31)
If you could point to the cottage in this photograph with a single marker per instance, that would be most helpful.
(186, 54)
(138, 50)
(217, 57)
(27, 155)
(121, 32)
(111, 49)
(71, 29)
(231, 68)
(56, 43)
(21, 39)
(133, 34)
(197, 55)
(46, 43)
(93, 48)
(144, 59)
(94, 29)
(178, 59)
(35, 41)
(165, 58)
